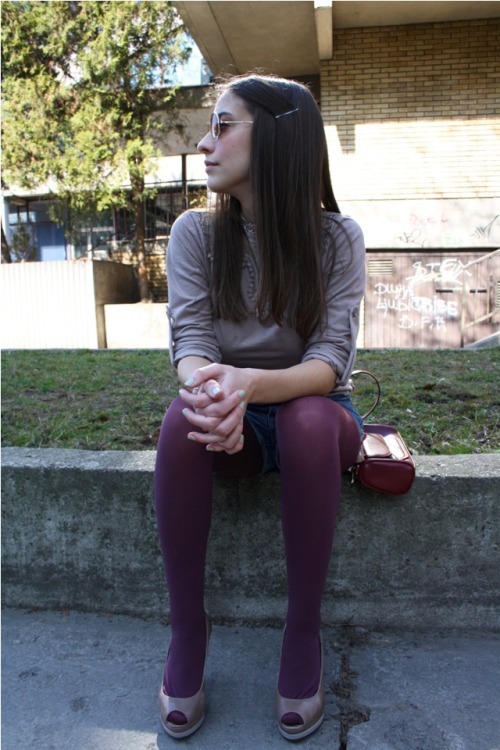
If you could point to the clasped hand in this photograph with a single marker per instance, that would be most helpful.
(215, 405)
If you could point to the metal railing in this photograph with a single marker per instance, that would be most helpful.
(481, 284)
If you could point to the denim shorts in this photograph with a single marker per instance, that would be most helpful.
(262, 418)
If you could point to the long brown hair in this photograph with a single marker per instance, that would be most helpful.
(291, 185)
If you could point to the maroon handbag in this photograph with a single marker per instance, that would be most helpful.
(384, 462)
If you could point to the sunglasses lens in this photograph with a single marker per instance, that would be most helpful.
(214, 126)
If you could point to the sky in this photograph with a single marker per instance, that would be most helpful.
(190, 74)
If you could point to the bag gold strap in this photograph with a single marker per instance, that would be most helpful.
(377, 398)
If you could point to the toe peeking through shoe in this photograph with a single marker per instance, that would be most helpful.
(181, 717)
(298, 718)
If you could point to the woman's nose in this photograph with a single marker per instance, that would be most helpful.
(206, 144)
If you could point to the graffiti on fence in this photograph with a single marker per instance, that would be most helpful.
(415, 311)
(449, 272)
(420, 308)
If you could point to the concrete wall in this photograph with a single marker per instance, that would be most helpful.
(79, 532)
(138, 326)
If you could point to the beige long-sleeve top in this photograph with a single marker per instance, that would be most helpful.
(251, 343)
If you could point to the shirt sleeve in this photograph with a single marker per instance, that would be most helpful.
(334, 341)
(189, 302)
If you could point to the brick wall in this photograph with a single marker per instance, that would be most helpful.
(414, 111)
(155, 264)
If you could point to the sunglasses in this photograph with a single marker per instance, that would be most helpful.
(216, 126)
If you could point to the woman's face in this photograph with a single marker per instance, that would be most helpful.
(227, 160)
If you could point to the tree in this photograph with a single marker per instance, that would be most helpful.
(85, 84)
(23, 247)
(6, 254)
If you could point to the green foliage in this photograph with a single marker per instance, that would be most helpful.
(22, 247)
(83, 85)
(443, 402)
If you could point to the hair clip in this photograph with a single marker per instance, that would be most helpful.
(290, 112)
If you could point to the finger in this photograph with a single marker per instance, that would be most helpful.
(202, 375)
(229, 439)
(226, 433)
(229, 449)
(220, 406)
(197, 400)
(213, 389)
(208, 425)
(216, 409)
(239, 445)
(221, 427)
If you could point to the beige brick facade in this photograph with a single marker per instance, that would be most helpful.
(413, 112)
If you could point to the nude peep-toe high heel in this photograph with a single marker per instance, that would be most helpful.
(193, 707)
(311, 711)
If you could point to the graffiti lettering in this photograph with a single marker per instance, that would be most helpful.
(459, 226)
(422, 311)
(423, 220)
(399, 291)
(408, 323)
(484, 232)
(450, 271)
(434, 306)
(418, 234)
(416, 237)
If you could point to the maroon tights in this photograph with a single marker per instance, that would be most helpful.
(318, 440)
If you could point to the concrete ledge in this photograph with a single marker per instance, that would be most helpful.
(79, 533)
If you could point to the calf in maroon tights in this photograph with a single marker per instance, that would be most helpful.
(317, 440)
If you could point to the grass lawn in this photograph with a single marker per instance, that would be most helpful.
(442, 401)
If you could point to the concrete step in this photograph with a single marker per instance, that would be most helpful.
(79, 533)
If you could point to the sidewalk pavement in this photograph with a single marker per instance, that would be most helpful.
(73, 681)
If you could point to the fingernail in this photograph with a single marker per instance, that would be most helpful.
(242, 405)
(242, 439)
(192, 437)
(242, 394)
(215, 390)
(184, 412)
(189, 382)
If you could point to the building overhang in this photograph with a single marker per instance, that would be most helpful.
(290, 38)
